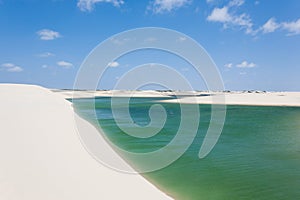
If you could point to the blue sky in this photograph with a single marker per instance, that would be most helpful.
(255, 44)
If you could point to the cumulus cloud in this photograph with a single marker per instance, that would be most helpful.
(10, 67)
(47, 34)
(88, 5)
(228, 65)
(163, 6)
(181, 39)
(64, 64)
(113, 64)
(236, 3)
(246, 64)
(46, 55)
(220, 15)
(120, 41)
(229, 18)
(293, 28)
(270, 26)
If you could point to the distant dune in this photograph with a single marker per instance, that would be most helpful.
(229, 98)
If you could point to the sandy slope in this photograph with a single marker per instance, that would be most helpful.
(41, 157)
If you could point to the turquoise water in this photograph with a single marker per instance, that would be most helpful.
(256, 157)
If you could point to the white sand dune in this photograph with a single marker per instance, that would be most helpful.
(241, 98)
(109, 93)
(228, 98)
(41, 157)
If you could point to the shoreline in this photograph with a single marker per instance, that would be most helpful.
(255, 98)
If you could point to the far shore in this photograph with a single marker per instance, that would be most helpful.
(258, 98)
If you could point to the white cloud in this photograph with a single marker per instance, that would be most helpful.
(270, 26)
(181, 39)
(45, 55)
(120, 41)
(47, 34)
(228, 65)
(7, 65)
(246, 64)
(162, 6)
(236, 3)
(10, 67)
(229, 18)
(88, 5)
(64, 64)
(15, 69)
(113, 64)
(220, 15)
(292, 27)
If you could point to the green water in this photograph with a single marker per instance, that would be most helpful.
(256, 157)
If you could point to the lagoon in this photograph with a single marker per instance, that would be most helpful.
(256, 157)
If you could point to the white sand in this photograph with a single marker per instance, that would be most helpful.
(228, 98)
(41, 157)
(109, 93)
(240, 98)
